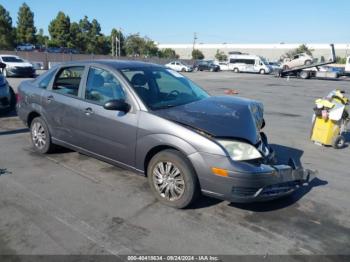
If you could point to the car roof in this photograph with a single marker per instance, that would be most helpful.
(117, 64)
(8, 55)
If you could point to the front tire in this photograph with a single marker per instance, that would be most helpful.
(172, 179)
(262, 72)
(4, 72)
(13, 99)
(304, 75)
(236, 70)
(40, 136)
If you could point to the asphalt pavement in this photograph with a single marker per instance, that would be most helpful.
(68, 203)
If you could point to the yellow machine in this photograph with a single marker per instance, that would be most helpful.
(330, 120)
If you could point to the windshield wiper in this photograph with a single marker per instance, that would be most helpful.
(163, 107)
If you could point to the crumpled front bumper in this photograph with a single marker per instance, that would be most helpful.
(247, 182)
(283, 181)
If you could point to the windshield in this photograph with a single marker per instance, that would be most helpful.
(264, 61)
(162, 88)
(12, 59)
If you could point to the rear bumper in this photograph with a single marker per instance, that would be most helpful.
(247, 182)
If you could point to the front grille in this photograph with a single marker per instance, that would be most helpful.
(22, 70)
(244, 191)
(279, 188)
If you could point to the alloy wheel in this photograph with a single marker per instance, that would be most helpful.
(38, 135)
(168, 181)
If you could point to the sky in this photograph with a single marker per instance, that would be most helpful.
(214, 21)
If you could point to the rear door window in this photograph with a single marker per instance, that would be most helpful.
(68, 80)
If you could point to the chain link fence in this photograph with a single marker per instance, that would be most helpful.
(45, 60)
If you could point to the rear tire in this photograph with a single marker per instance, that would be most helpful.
(307, 62)
(339, 142)
(172, 179)
(13, 99)
(40, 136)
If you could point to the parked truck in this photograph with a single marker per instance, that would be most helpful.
(313, 69)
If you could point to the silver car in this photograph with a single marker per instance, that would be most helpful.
(154, 121)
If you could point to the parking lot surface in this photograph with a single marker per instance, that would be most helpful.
(68, 203)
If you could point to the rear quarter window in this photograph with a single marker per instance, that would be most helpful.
(67, 80)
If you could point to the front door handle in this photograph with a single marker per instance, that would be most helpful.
(88, 111)
(50, 98)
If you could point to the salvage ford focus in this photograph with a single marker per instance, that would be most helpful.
(153, 120)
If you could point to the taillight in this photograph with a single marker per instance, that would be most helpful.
(18, 97)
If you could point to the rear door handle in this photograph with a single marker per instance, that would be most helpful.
(88, 111)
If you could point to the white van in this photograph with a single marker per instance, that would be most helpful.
(347, 65)
(249, 63)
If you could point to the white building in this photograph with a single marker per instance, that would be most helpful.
(269, 51)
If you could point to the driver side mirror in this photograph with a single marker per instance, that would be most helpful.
(2, 65)
(117, 105)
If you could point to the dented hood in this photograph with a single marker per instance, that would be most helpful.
(222, 116)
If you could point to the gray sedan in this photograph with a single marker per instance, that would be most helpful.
(153, 120)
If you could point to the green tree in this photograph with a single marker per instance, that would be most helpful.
(150, 48)
(300, 49)
(168, 53)
(25, 25)
(221, 56)
(41, 39)
(6, 30)
(134, 45)
(340, 60)
(87, 37)
(197, 54)
(76, 37)
(59, 30)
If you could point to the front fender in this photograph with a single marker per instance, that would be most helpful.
(147, 143)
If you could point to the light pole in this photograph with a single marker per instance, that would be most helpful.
(116, 46)
(119, 41)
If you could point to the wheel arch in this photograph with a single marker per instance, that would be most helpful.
(150, 145)
(31, 116)
(153, 151)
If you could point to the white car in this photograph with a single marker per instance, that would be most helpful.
(179, 66)
(298, 60)
(25, 47)
(16, 66)
(224, 66)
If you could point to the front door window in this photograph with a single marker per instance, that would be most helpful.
(103, 86)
